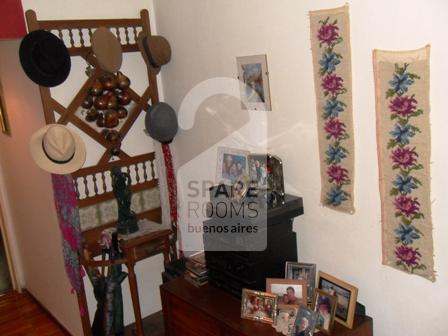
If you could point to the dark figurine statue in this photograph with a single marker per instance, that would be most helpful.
(127, 220)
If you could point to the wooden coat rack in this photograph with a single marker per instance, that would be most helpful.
(76, 35)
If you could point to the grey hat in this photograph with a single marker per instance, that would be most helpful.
(161, 122)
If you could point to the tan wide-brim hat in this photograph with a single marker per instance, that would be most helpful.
(107, 49)
(156, 50)
(57, 149)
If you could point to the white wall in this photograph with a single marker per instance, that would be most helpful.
(207, 36)
(26, 192)
(27, 199)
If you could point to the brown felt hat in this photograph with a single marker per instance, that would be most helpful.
(107, 49)
(156, 50)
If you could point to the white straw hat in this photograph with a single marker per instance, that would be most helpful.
(57, 149)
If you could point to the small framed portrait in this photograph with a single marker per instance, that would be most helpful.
(266, 177)
(231, 165)
(305, 322)
(259, 306)
(324, 304)
(346, 297)
(254, 82)
(290, 293)
(284, 322)
(300, 270)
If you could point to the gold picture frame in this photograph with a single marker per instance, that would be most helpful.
(258, 306)
(4, 123)
(346, 295)
(281, 289)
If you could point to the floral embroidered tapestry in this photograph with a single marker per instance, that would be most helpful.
(404, 146)
(330, 45)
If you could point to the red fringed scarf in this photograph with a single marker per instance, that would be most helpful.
(172, 187)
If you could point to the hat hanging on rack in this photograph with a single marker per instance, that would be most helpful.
(156, 50)
(107, 49)
(44, 58)
(57, 149)
(161, 122)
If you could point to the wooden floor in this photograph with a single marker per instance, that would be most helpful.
(152, 326)
(21, 315)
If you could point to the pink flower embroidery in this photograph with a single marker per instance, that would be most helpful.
(408, 206)
(328, 33)
(332, 83)
(403, 105)
(408, 255)
(335, 129)
(404, 157)
(337, 174)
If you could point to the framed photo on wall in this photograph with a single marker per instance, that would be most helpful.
(4, 124)
(300, 270)
(290, 293)
(231, 165)
(259, 306)
(254, 82)
(346, 295)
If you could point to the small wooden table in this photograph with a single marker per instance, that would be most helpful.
(208, 311)
(136, 248)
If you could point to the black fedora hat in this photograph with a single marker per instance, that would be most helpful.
(44, 58)
(161, 122)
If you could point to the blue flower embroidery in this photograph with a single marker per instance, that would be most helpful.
(407, 233)
(332, 108)
(335, 154)
(401, 82)
(405, 184)
(329, 62)
(401, 134)
(336, 196)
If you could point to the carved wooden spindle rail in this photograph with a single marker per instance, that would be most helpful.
(92, 189)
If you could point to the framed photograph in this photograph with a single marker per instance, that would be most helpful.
(3, 116)
(231, 165)
(300, 270)
(305, 322)
(254, 82)
(284, 322)
(290, 293)
(259, 306)
(346, 297)
(324, 304)
(266, 177)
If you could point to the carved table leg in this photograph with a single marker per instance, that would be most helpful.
(135, 298)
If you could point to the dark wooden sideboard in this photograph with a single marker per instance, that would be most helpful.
(208, 311)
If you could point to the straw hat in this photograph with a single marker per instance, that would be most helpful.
(44, 58)
(107, 49)
(57, 149)
(156, 50)
(161, 122)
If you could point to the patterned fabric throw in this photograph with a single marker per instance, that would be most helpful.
(172, 195)
(404, 146)
(330, 45)
(68, 215)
